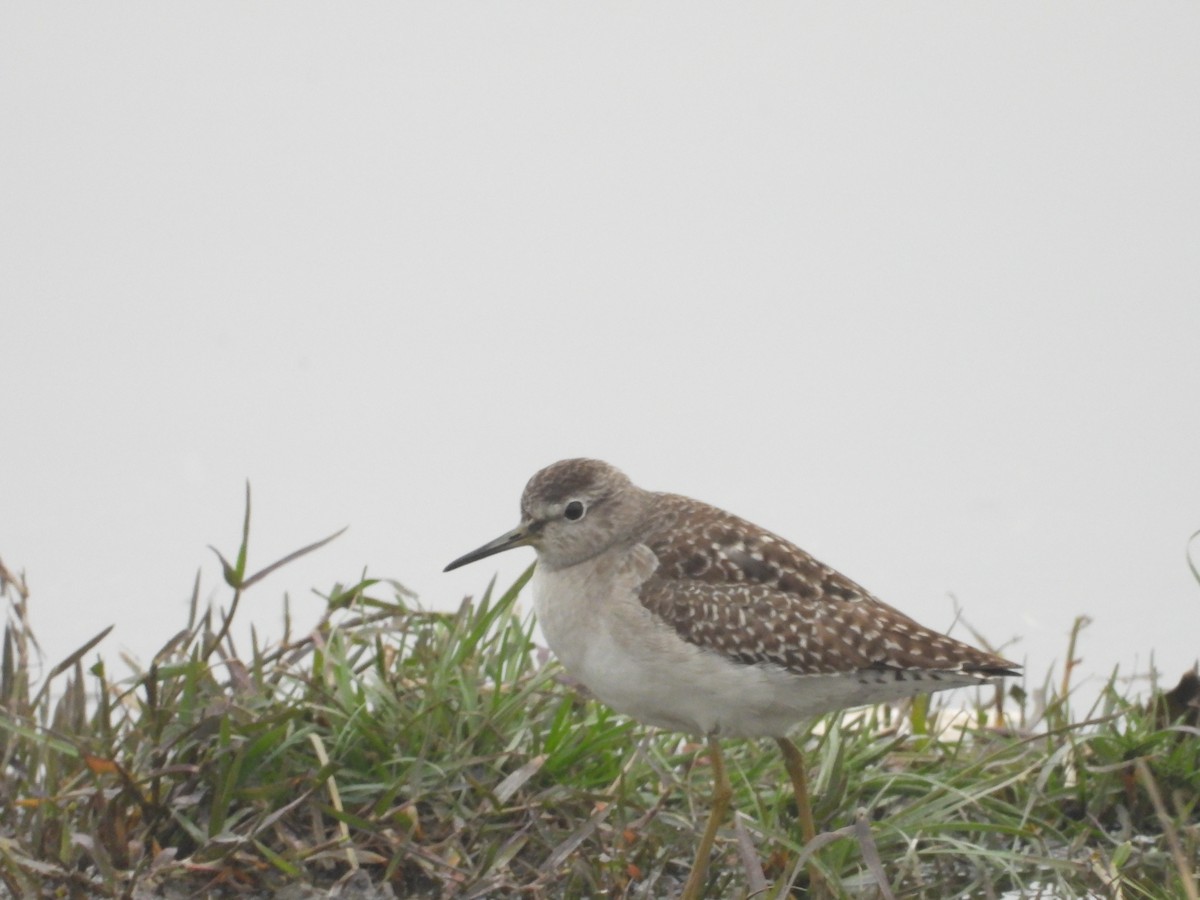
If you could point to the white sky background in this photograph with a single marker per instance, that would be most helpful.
(919, 290)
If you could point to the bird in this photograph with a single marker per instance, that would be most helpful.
(686, 617)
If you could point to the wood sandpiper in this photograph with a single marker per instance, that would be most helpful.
(686, 617)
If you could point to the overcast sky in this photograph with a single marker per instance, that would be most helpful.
(918, 289)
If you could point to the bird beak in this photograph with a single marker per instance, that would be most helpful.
(521, 537)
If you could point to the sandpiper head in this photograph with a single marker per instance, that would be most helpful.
(570, 511)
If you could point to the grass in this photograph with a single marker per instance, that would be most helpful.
(445, 755)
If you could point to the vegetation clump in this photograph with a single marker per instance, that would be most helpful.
(444, 755)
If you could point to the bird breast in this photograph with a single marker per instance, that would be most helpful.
(635, 662)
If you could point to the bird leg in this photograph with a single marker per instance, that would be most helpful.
(722, 796)
(794, 762)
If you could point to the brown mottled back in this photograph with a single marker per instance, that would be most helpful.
(727, 585)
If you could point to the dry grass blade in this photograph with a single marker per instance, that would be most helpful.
(862, 830)
(577, 837)
(811, 849)
(1186, 877)
(756, 879)
(69, 663)
(514, 782)
(335, 798)
(1190, 561)
(291, 557)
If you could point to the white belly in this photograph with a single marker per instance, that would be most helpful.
(635, 662)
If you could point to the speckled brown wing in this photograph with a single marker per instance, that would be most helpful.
(727, 585)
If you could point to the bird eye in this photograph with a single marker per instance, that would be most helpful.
(574, 511)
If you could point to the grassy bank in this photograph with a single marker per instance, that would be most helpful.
(446, 756)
